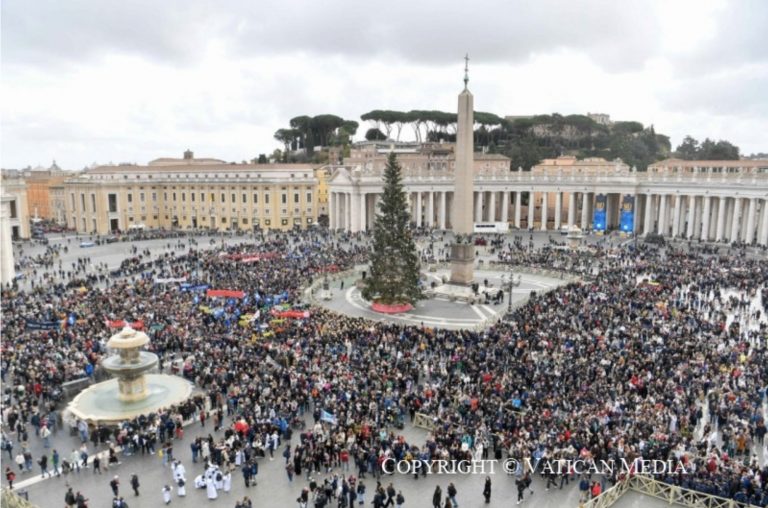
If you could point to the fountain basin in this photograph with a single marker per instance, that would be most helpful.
(102, 403)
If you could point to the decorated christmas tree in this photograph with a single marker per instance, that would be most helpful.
(394, 275)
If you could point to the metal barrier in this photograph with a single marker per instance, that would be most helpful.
(423, 421)
(13, 499)
(672, 494)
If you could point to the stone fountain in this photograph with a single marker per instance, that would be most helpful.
(133, 391)
(130, 364)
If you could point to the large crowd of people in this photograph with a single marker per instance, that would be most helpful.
(656, 354)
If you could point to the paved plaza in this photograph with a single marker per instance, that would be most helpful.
(273, 487)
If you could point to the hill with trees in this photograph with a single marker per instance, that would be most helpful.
(525, 140)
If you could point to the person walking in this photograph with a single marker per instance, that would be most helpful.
(400, 499)
(135, 484)
(115, 485)
(10, 476)
(43, 463)
(55, 459)
(520, 484)
(451, 491)
(487, 490)
(437, 498)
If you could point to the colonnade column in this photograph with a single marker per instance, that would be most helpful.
(531, 208)
(735, 220)
(691, 216)
(763, 238)
(558, 209)
(363, 211)
(584, 209)
(431, 209)
(518, 208)
(442, 209)
(492, 207)
(418, 209)
(479, 206)
(544, 196)
(676, 216)
(720, 219)
(705, 219)
(648, 220)
(505, 207)
(571, 208)
(331, 209)
(749, 234)
(663, 215)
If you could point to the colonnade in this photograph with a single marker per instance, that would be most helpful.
(707, 217)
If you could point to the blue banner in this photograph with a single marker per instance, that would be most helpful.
(598, 219)
(627, 222)
(35, 324)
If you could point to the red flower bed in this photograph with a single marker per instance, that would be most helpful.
(391, 309)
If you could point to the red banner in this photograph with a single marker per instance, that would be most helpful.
(119, 323)
(225, 293)
(290, 314)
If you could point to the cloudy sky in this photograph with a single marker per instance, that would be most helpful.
(104, 81)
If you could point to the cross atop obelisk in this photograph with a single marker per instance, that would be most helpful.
(466, 70)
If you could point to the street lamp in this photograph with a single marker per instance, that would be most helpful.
(511, 282)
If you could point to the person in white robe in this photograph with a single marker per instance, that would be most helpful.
(210, 488)
(167, 494)
(181, 487)
(227, 481)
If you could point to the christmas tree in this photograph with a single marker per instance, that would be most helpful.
(394, 262)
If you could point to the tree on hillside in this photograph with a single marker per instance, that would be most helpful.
(394, 262)
(709, 149)
(375, 134)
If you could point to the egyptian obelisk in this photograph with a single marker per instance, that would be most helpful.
(462, 251)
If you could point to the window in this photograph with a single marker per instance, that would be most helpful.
(245, 198)
(141, 197)
(14, 212)
(267, 222)
(112, 202)
(223, 199)
(223, 220)
(266, 199)
(154, 197)
(174, 196)
(284, 222)
(72, 196)
(202, 197)
(154, 217)
(165, 196)
(295, 197)
(309, 220)
(309, 197)
(93, 203)
(183, 197)
(233, 197)
(245, 222)
(130, 197)
(192, 196)
(255, 198)
(82, 204)
(283, 198)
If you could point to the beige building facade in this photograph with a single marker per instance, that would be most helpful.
(189, 193)
(14, 190)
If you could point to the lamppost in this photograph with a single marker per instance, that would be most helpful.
(511, 282)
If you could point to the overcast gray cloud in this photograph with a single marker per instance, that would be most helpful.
(107, 80)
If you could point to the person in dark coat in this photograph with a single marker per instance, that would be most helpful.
(487, 490)
(437, 498)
